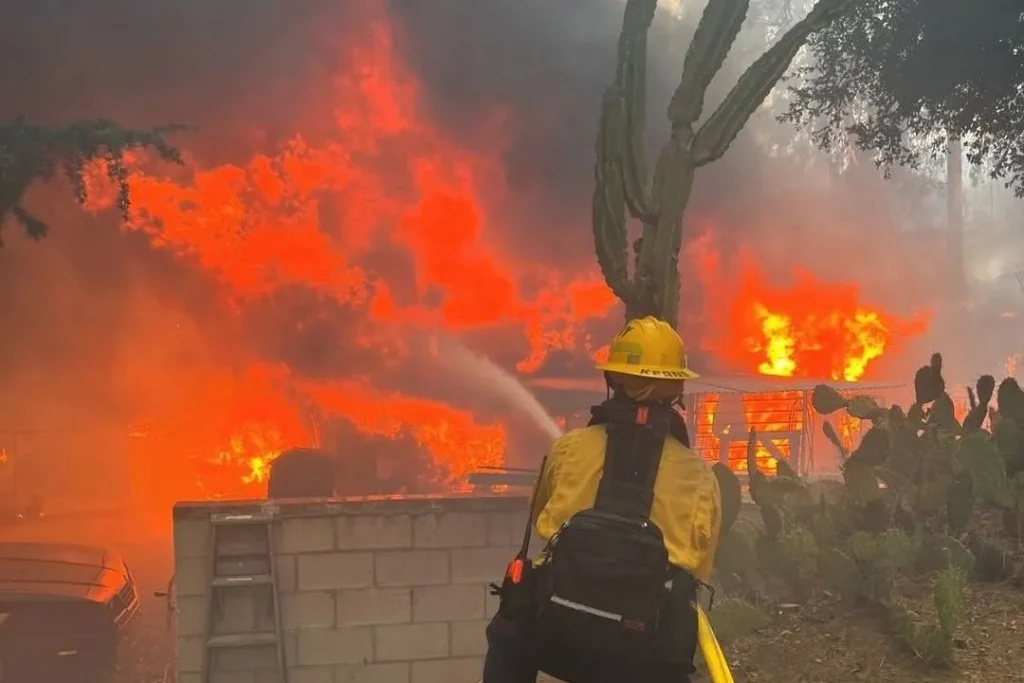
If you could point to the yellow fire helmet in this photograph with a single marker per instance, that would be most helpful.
(648, 348)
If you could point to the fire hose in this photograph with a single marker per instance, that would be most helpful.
(711, 651)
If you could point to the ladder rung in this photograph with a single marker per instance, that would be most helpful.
(223, 519)
(243, 580)
(242, 639)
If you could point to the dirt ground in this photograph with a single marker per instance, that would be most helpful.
(828, 642)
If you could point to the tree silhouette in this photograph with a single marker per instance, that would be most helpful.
(30, 153)
(904, 78)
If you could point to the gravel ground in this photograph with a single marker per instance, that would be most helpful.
(148, 648)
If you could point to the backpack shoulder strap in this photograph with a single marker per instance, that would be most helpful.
(636, 438)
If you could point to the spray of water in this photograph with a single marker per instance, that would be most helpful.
(495, 378)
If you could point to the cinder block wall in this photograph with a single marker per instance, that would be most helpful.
(372, 591)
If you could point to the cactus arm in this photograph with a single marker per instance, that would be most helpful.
(722, 127)
(609, 207)
(631, 81)
(716, 32)
(657, 270)
(672, 195)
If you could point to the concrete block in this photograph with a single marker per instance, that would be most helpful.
(234, 611)
(265, 615)
(411, 567)
(407, 642)
(505, 529)
(305, 535)
(190, 615)
(191, 538)
(450, 530)
(373, 532)
(390, 672)
(318, 571)
(304, 674)
(291, 648)
(286, 573)
(481, 565)
(232, 677)
(374, 606)
(189, 654)
(469, 638)
(301, 611)
(245, 658)
(191, 576)
(456, 602)
(242, 540)
(491, 604)
(468, 669)
(351, 645)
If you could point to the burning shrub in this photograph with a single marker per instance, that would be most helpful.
(915, 507)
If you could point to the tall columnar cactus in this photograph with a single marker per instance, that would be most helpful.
(620, 171)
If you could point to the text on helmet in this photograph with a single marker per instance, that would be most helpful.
(669, 374)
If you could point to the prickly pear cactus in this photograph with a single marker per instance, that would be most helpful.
(985, 386)
(906, 512)
(620, 173)
(932, 642)
(921, 464)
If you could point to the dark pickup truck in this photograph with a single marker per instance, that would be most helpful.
(63, 609)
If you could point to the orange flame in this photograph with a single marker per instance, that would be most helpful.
(388, 186)
(450, 436)
(865, 338)
(393, 181)
(810, 329)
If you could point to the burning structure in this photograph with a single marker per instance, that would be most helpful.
(721, 411)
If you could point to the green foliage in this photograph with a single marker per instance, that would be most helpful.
(979, 458)
(32, 153)
(923, 67)
(621, 183)
(733, 618)
(910, 510)
(932, 640)
(736, 562)
(799, 553)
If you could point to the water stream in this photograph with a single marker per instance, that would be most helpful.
(498, 380)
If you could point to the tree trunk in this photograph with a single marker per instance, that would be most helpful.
(955, 216)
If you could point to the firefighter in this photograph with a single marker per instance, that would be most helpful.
(637, 514)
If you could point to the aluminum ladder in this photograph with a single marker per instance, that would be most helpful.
(242, 556)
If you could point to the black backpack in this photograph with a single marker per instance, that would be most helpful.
(606, 586)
